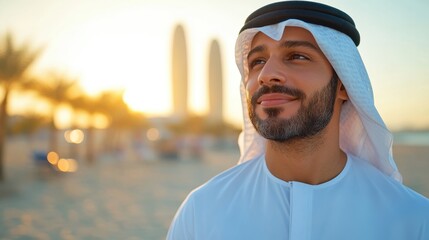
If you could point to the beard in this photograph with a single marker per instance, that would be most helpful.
(310, 119)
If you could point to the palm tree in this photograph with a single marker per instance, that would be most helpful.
(120, 117)
(109, 103)
(90, 105)
(14, 63)
(114, 109)
(58, 89)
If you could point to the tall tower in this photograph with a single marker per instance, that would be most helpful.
(179, 74)
(215, 86)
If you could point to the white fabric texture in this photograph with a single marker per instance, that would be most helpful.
(248, 202)
(362, 130)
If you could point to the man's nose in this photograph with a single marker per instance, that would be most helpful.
(273, 73)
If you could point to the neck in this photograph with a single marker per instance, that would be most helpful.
(312, 161)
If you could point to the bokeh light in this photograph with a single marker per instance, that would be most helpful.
(53, 158)
(152, 134)
(67, 165)
(75, 136)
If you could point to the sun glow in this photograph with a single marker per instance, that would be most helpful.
(114, 50)
(151, 100)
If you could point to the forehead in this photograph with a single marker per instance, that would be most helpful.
(289, 34)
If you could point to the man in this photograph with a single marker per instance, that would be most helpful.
(316, 157)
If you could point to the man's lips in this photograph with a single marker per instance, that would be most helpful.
(273, 99)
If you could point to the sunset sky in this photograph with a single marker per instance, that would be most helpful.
(127, 44)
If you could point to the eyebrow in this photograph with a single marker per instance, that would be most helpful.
(285, 44)
(291, 44)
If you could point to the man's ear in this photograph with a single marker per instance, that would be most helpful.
(342, 92)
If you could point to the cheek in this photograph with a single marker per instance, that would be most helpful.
(319, 76)
(313, 82)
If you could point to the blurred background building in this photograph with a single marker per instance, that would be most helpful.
(179, 74)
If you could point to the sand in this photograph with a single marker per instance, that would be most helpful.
(413, 164)
(121, 197)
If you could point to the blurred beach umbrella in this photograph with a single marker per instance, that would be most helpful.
(15, 62)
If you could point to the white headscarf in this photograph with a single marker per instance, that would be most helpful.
(362, 131)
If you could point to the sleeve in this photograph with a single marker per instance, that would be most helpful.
(182, 226)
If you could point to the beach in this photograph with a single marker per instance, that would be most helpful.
(121, 197)
(413, 164)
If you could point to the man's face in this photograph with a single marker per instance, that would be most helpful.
(291, 88)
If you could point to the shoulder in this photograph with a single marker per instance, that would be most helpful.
(219, 190)
(208, 199)
(229, 180)
(226, 181)
(394, 194)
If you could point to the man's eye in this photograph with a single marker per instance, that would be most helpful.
(256, 62)
(298, 57)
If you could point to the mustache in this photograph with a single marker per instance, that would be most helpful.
(276, 89)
